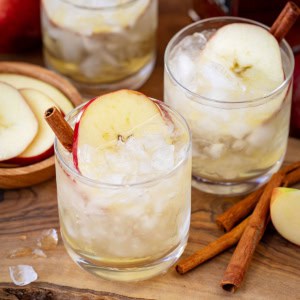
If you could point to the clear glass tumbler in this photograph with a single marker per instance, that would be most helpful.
(237, 145)
(100, 44)
(126, 232)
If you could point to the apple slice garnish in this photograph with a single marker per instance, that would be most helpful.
(42, 145)
(242, 62)
(110, 118)
(26, 82)
(285, 213)
(18, 125)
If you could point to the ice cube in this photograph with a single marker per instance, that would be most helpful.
(48, 239)
(261, 135)
(22, 274)
(215, 151)
(70, 46)
(163, 158)
(38, 253)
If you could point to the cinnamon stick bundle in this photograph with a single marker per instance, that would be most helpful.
(223, 243)
(243, 208)
(239, 263)
(292, 178)
(239, 211)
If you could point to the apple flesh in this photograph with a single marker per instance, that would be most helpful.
(115, 116)
(25, 82)
(18, 125)
(285, 213)
(42, 145)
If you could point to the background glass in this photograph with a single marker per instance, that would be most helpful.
(100, 46)
(224, 161)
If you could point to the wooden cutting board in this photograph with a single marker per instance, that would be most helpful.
(274, 272)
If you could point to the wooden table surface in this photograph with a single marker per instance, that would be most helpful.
(274, 272)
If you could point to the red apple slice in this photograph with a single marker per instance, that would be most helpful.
(112, 117)
(42, 145)
(25, 82)
(18, 125)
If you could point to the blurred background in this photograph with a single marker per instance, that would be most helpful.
(21, 35)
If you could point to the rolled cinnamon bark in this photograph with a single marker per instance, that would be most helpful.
(60, 127)
(228, 219)
(211, 250)
(285, 21)
(239, 211)
(241, 258)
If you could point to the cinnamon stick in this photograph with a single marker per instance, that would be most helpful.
(60, 127)
(239, 263)
(228, 219)
(285, 21)
(291, 178)
(239, 211)
(214, 248)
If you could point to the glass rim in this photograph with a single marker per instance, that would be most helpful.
(99, 7)
(232, 103)
(97, 183)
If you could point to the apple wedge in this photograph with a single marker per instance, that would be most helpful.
(18, 125)
(42, 145)
(110, 118)
(285, 213)
(24, 82)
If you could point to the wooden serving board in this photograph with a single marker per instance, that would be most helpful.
(274, 272)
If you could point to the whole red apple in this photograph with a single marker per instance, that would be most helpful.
(19, 25)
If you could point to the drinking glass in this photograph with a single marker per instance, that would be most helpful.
(100, 44)
(237, 146)
(126, 232)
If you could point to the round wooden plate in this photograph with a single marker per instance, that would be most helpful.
(20, 177)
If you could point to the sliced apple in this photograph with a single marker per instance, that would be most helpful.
(18, 125)
(285, 213)
(247, 60)
(24, 82)
(242, 62)
(42, 145)
(110, 118)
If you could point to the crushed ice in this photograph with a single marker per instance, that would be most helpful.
(22, 274)
(146, 156)
(48, 239)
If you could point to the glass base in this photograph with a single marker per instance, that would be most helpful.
(234, 188)
(132, 82)
(157, 267)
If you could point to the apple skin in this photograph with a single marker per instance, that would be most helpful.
(164, 113)
(25, 161)
(76, 129)
(19, 25)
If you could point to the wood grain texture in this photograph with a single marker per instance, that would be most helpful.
(274, 272)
